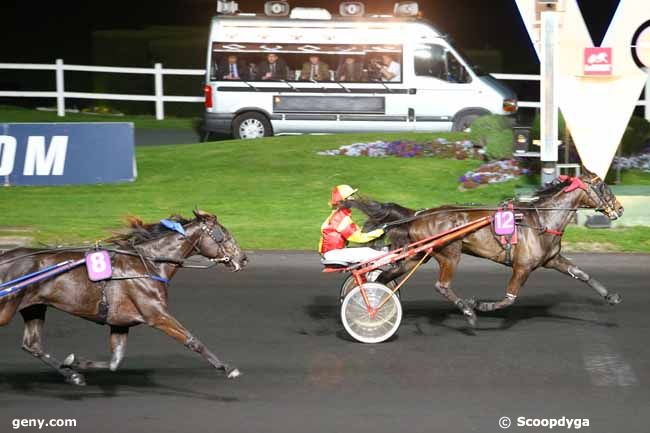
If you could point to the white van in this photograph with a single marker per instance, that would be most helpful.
(316, 73)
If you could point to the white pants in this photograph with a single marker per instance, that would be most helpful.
(352, 255)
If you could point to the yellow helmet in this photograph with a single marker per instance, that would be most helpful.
(341, 192)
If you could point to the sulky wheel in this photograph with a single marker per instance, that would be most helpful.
(350, 284)
(364, 326)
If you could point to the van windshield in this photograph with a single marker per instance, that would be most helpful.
(462, 54)
(303, 62)
(437, 61)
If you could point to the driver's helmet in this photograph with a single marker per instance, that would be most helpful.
(341, 192)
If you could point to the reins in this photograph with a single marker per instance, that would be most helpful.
(425, 212)
(135, 253)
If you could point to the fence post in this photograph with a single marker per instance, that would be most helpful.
(647, 98)
(160, 108)
(60, 89)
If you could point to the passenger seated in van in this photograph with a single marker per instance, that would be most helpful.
(350, 70)
(233, 69)
(390, 70)
(273, 68)
(339, 229)
(251, 69)
(314, 69)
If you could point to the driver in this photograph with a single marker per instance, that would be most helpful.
(338, 229)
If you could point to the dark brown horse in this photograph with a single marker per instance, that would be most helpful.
(143, 262)
(539, 237)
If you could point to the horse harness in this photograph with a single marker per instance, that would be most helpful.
(214, 232)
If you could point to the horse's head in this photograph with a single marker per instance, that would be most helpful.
(217, 244)
(597, 195)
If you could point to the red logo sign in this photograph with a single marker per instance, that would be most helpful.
(598, 61)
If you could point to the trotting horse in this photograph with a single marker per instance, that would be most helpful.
(143, 262)
(540, 231)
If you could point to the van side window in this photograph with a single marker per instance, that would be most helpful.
(353, 63)
(436, 61)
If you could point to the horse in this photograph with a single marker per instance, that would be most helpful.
(540, 231)
(143, 260)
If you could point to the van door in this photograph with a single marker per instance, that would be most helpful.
(444, 87)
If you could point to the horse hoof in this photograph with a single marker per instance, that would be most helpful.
(234, 373)
(68, 361)
(613, 299)
(471, 319)
(77, 379)
(467, 310)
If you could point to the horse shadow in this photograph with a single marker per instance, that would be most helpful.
(426, 317)
(107, 384)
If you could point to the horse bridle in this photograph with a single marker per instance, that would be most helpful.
(215, 233)
(605, 204)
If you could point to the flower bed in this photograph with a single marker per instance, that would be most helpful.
(492, 172)
(638, 162)
(437, 148)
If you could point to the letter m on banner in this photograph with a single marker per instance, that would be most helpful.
(42, 162)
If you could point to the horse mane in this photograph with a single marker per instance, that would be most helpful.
(550, 190)
(141, 232)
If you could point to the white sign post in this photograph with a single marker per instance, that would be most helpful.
(549, 117)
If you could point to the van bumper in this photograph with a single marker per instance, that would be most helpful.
(218, 122)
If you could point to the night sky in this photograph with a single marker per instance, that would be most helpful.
(43, 31)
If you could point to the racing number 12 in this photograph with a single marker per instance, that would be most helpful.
(504, 223)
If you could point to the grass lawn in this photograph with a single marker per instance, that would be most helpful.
(9, 114)
(271, 193)
(624, 240)
(635, 177)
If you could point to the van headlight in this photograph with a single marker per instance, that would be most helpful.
(510, 105)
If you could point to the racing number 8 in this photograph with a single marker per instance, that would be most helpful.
(98, 262)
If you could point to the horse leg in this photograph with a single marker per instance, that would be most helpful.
(566, 266)
(448, 259)
(518, 278)
(168, 324)
(394, 272)
(34, 318)
(8, 310)
(118, 338)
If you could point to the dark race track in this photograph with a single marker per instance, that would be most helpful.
(560, 351)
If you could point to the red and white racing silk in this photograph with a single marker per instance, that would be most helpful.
(339, 228)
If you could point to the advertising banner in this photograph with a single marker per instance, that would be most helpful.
(66, 153)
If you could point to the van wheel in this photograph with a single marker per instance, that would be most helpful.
(251, 125)
(464, 122)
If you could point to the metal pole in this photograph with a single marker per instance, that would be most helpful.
(60, 89)
(549, 100)
(160, 108)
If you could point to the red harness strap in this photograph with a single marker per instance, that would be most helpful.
(553, 232)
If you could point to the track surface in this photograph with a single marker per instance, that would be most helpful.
(558, 352)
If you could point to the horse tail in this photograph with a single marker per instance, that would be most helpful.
(382, 213)
(379, 213)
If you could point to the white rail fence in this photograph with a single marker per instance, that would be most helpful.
(158, 72)
(159, 97)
